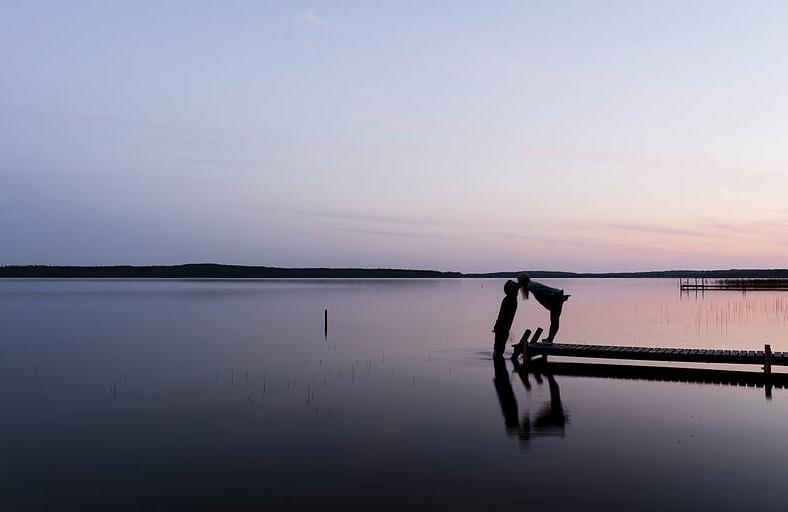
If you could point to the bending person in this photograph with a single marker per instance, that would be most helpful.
(551, 298)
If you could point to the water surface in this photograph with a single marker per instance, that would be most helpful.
(227, 395)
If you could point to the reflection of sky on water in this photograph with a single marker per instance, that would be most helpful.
(654, 313)
(218, 394)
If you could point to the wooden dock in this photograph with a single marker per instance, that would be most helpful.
(765, 357)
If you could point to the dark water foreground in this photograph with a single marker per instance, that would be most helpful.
(225, 395)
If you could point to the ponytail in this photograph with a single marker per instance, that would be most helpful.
(523, 280)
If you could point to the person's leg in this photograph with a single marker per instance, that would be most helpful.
(500, 343)
(555, 320)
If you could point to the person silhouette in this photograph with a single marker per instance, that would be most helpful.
(505, 318)
(551, 298)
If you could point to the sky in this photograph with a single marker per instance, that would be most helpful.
(471, 136)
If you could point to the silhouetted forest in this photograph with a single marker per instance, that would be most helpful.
(216, 271)
(708, 274)
(212, 271)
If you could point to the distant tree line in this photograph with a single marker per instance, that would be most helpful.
(664, 274)
(211, 271)
(216, 271)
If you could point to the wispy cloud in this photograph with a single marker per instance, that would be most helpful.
(766, 231)
(386, 120)
(703, 170)
(312, 18)
(307, 45)
(267, 166)
(380, 219)
(728, 228)
(387, 233)
(50, 116)
(656, 229)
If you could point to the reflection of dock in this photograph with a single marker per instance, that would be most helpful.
(663, 374)
(765, 357)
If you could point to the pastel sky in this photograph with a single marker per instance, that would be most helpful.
(472, 136)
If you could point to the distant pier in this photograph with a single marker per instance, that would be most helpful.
(687, 284)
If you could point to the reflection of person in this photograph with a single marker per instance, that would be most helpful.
(549, 421)
(505, 318)
(551, 298)
(503, 388)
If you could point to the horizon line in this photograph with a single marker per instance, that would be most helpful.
(228, 266)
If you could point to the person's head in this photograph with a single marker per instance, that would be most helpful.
(522, 283)
(510, 287)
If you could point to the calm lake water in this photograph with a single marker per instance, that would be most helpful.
(226, 395)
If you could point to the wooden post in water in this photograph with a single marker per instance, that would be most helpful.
(325, 323)
(767, 370)
(522, 346)
(535, 339)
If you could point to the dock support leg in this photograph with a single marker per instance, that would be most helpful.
(519, 348)
(767, 370)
